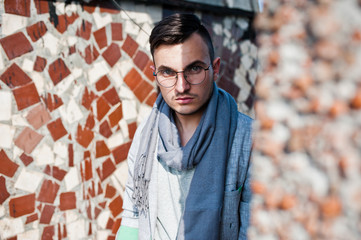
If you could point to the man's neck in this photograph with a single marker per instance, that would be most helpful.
(187, 125)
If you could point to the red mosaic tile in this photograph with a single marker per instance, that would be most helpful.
(101, 37)
(16, 45)
(116, 225)
(101, 149)
(71, 155)
(72, 49)
(36, 31)
(104, 129)
(97, 211)
(130, 46)
(47, 214)
(133, 79)
(151, 99)
(148, 71)
(13, 238)
(106, 170)
(112, 96)
(90, 8)
(90, 54)
(7, 167)
(141, 59)
(64, 234)
(58, 71)
(102, 108)
(120, 153)
(110, 191)
(49, 190)
(14, 76)
(84, 136)
(23, 205)
(57, 129)
(111, 237)
(100, 189)
(40, 64)
(143, 90)
(132, 127)
(91, 190)
(55, 172)
(31, 218)
(109, 224)
(117, 31)
(4, 194)
(41, 6)
(52, 102)
(102, 83)
(90, 122)
(67, 201)
(48, 233)
(88, 170)
(26, 159)
(116, 115)
(88, 98)
(63, 21)
(26, 96)
(21, 8)
(38, 116)
(103, 204)
(84, 30)
(116, 206)
(229, 86)
(112, 54)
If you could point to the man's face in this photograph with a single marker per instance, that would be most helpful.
(184, 98)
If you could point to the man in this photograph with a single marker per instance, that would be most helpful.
(189, 162)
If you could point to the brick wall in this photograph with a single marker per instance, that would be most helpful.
(75, 83)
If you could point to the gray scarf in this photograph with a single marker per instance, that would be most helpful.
(208, 150)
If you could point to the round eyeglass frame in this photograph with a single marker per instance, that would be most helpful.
(185, 77)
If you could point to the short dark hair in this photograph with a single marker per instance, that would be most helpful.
(177, 28)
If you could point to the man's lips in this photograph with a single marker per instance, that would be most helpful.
(184, 99)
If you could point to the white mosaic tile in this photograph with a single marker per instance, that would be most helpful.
(71, 179)
(70, 216)
(5, 106)
(115, 76)
(144, 112)
(71, 112)
(17, 152)
(7, 134)
(59, 161)
(18, 120)
(28, 180)
(12, 23)
(71, 8)
(51, 43)
(126, 66)
(129, 110)
(39, 81)
(126, 93)
(1, 62)
(103, 219)
(102, 235)
(247, 62)
(117, 184)
(76, 230)
(62, 86)
(43, 155)
(218, 29)
(121, 174)
(61, 149)
(28, 65)
(60, 7)
(11, 227)
(30, 235)
(2, 210)
(142, 39)
(124, 128)
(72, 40)
(131, 28)
(115, 140)
(101, 21)
(99, 69)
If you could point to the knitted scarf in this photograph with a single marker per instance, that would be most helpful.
(207, 150)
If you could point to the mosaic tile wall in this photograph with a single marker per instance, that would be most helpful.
(75, 83)
(307, 158)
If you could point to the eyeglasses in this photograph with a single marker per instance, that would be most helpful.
(193, 75)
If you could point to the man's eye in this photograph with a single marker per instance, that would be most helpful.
(194, 69)
(167, 72)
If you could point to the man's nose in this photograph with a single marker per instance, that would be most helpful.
(181, 85)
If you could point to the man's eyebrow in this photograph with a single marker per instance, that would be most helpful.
(189, 65)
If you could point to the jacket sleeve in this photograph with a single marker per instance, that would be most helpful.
(246, 194)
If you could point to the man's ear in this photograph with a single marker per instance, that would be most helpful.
(153, 70)
(216, 65)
